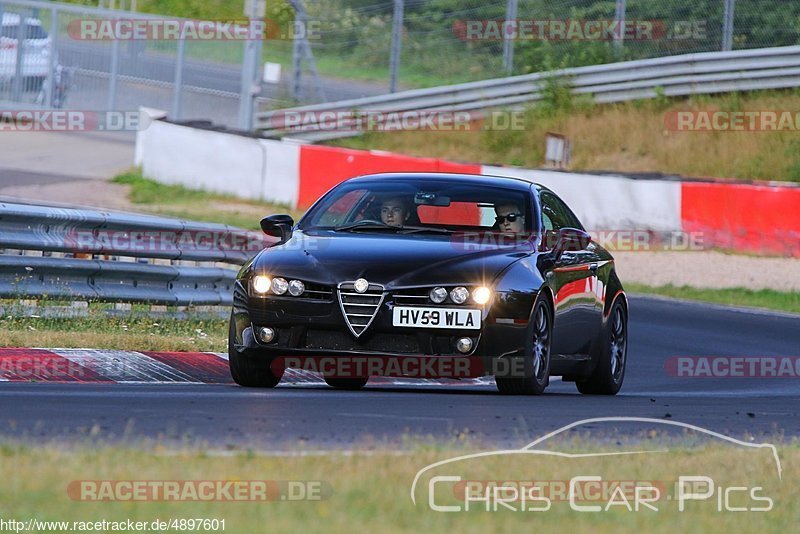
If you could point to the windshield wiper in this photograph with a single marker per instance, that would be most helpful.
(420, 229)
(366, 225)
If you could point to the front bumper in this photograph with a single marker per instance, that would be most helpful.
(314, 327)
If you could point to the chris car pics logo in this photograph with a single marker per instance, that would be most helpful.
(460, 484)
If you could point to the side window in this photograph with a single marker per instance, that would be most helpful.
(548, 222)
(559, 215)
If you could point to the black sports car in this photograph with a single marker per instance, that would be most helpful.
(435, 275)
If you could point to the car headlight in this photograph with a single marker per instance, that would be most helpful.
(279, 286)
(296, 288)
(438, 295)
(261, 284)
(481, 295)
(459, 295)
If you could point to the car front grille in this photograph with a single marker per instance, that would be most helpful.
(379, 343)
(359, 309)
(412, 297)
(317, 292)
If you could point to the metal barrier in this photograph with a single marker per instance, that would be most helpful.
(713, 72)
(78, 254)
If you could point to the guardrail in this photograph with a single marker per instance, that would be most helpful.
(73, 254)
(712, 72)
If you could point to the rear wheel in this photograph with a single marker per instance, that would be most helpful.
(351, 384)
(612, 355)
(536, 365)
(246, 370)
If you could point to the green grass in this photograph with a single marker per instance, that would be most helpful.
(102, 331)
(370, 490)
(765, 298)
(196, 204)
(144, 191)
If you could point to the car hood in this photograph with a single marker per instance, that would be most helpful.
(389, 259)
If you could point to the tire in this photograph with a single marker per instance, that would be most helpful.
(246, 370)
(350, 384)
(611, 356)
(537, 355)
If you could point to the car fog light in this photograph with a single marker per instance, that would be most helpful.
(464, 345)
(261, 284)
(296, 288)
(438, 295)
(459, 295)
(266, 334)
(279, 286)
(481, 295)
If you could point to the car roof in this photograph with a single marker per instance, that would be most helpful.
(471, 179)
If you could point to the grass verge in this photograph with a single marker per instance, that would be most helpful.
(178, 201)
(101, 331)
(360, 490)
(764, 298)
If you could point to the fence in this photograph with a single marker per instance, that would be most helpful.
(193, 79)
(69, 254)
(332, 50)
(767, 68)
(406, 44)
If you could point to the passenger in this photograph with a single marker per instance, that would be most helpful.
(510, 219)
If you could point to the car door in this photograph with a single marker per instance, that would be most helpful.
(574, 282)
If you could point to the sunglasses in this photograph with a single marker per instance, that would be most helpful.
(500, 219)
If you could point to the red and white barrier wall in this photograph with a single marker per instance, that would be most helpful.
(744, 217)
(751, 218)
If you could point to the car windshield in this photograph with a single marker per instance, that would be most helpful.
(419, 205)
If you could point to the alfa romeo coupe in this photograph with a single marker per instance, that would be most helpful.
(490, 275)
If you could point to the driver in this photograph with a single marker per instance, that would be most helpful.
(394, 211)
(509, 219)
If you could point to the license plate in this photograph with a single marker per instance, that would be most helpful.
(436, 317)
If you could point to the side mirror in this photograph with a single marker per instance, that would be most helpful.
(279, 226)
(572, 240)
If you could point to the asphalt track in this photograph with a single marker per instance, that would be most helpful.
(315, 417)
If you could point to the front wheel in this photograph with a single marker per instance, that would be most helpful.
(350, 384)
(248, 371)
(536, 365)
(611, 356)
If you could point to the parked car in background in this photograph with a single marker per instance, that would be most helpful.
(36, 50)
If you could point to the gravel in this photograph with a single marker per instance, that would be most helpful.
(708, 269)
